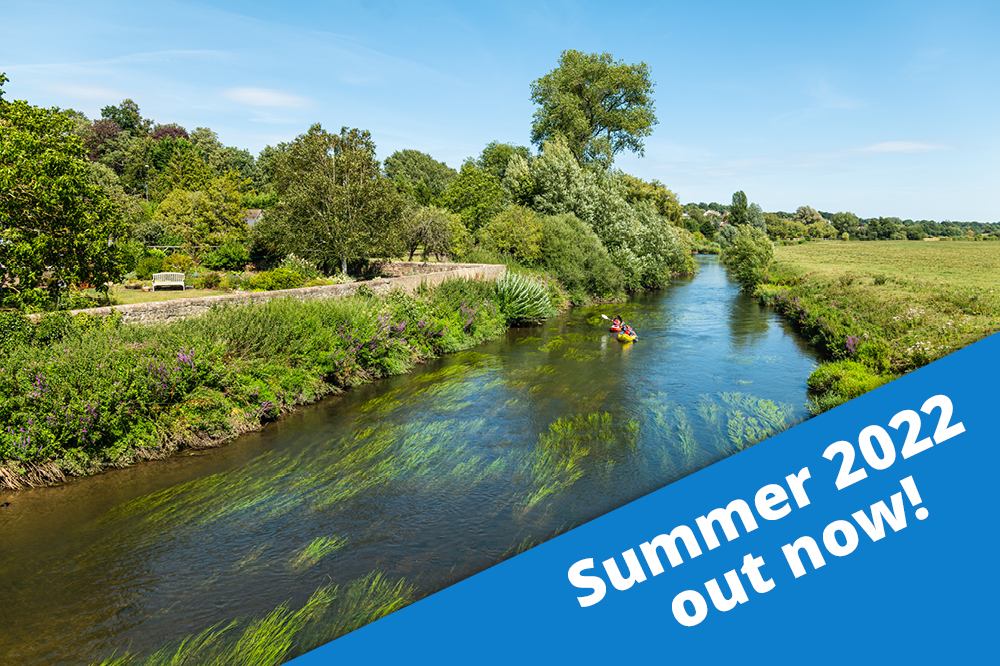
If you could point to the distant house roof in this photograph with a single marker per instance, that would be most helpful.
(253, 216)
(713, 212)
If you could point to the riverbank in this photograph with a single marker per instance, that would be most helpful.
(83, 394)
(880, 309)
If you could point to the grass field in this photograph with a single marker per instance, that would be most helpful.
(960, 263)
(880, 309)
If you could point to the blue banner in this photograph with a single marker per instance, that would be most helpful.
(865, 535)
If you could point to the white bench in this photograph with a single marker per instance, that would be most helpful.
(168, 280)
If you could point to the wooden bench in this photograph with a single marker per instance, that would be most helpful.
(168, 280)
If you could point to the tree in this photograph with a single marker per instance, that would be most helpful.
(749, 256)
(807, 215)
(496, 156)
(738, 209)
(476, 196)
(129, 118)
(599, 106)
(437, 230)
(845, 222)
(335, 203)
(414, 168)
(52, 214)
(656, 193)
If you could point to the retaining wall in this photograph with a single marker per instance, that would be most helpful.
(406, 275)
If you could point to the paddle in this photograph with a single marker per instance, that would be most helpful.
(604, 316)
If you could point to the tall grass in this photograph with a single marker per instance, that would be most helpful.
(77, 396)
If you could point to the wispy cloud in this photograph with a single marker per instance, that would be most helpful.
(901, 147)
(267, 97)
(827, 97)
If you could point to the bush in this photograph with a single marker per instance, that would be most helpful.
(848, 379)
(523, 300)
(230, 256)
(301, 266)
(278, 279)
(571, 252)
(149, 265)
(749, 255)
(209, 280)
(516, 231)
(178, 263)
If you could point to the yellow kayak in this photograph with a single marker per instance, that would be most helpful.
(625, 337)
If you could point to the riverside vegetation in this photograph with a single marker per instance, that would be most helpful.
(878, 310)
(82, 394)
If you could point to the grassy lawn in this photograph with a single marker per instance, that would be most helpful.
(122, 296)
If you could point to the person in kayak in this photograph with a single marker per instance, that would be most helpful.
(616, 324)
(627, 330)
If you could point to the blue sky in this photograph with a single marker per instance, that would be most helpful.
(879, 108)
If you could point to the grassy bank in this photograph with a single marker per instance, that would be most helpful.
(880, 309)
(78, 395)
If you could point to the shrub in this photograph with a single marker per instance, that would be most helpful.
(571, 252)
(209, 280)
(750, 255)
(301, 266)
(279, 278)
(522, 299)
(848, 379)
(148, 265)
(516, 231)
(230, 256)
(15, 329)
(178, 263)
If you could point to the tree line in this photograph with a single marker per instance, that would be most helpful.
(86, 202)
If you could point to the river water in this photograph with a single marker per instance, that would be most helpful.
(428, 477)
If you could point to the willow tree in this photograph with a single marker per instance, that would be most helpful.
(334, 203)
(601, 107)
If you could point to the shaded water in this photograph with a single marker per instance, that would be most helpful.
(431, 476)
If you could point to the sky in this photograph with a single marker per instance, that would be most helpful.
(878, 108)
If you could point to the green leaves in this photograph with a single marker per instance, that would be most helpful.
(52, 216)
(600, 106)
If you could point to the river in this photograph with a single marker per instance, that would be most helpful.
(429, 477)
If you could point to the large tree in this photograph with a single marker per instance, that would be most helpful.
(601, 107)
(419, 173)
(129, 118)
(53, 216)
(334, 203)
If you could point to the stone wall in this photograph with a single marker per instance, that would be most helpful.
(410, 276)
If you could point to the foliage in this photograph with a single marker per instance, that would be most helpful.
(665, 201)
(601, 107)
(516, 231)
(412, 167)
(128, 117)
(334, 204)
(301, 266)
(107, 393)
(476, 196)
(644, 245)
(230, 256)
(438, 231)
(807, 215)
(750, 256)
(496, 156)
(51, 212)
(522, 299)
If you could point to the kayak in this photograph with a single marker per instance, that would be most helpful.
(615, 329)
(625, 337)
